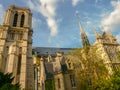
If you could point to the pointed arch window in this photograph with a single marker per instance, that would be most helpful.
(69, 64)
(59, 86)
(19, 64)
(22, 20)
(72, 79)
(15, 20)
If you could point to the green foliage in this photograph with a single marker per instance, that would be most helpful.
(49, 84)
(89, 67)
(6, 80)
(112, 83)
(9, 86)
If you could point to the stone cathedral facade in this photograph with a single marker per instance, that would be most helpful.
(16, 46)
(49, 65)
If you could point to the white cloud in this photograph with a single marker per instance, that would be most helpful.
(75, 2)
(53, 26)
(111, 22)
(1, 13)
(48, 9)
(88, 22)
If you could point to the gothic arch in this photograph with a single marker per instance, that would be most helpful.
(15, 19)
(22, 20)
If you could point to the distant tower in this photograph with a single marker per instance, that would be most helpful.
(16, 46)
(85, 40)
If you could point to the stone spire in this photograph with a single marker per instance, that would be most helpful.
(95, 32)
(85, 40)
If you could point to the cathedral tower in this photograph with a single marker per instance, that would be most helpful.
(16, 46)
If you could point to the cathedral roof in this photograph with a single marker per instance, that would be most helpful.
(51, 51)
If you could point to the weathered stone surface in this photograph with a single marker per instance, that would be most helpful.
(14, 48)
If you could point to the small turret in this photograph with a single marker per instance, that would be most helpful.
(95, 32)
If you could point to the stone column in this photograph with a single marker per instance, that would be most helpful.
(8, 17)
(2, 46)
(19, 19)
(23, 66)
(26, 20)
(30, 68)
(23, 74)
(4, 34)
(5, 18)
(30, 20)
(1, 60)
(36, 77)
(11, 18)
(13, 53)
(42, 74)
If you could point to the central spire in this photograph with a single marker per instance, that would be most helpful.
(84, 38)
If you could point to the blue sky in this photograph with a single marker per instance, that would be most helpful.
(55, 22)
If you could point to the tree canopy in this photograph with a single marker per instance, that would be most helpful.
(89, 67)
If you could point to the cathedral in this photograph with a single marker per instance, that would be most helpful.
(16, 46)
(44, 68)
(53, 67)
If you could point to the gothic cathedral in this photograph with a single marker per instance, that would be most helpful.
(50, 64)
(16, 46)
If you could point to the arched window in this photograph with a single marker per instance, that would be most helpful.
(15, 20)
(69, 64)
(72, 79)
(59, 83)
(19, 65)
(22, 21)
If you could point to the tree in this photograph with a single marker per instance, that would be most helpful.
(49, 84)
(113, 83)
(89, 67)
(6, 82)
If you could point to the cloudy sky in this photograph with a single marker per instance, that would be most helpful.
(55, 22)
